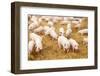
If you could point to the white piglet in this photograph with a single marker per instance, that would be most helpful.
(53, 34)
(68, 33)
(38, 41)
(69, 26)
(39, 29)
(74, 44)
(83, 31)
(64, 42)
(54, 20)
(75, 22)
(33, 25)
(58, 18)
(69, 30)
(33, 18)
(31, 45)
(64, 22)
(46, 30)
(50, 23)
(39, 46)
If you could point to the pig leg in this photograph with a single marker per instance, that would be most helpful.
(67, 50)
(40, 49)
(59, 45)
(73, 49)
(64, 49)
(37, 49)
